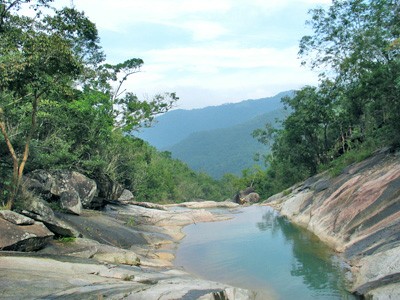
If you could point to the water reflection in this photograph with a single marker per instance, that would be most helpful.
(260, 250)
(314, 262)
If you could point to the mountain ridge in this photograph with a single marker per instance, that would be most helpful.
(176, 125)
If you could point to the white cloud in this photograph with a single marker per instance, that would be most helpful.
(205, 30)
(218, 64)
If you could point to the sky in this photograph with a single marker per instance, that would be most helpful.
(209, 52)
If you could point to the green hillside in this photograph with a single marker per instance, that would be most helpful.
(227, 150)
(176, 125)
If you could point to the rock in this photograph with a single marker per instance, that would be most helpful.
(246, 196)
(149, 205)
(357, 213)
(23, 238)
(104, 228)
(76, 278)
(126, 196)
(71, 202)
(62, 229)
(205, 204)
(251, 198)
(39, 210)
(15, 218)
(108, 188)
(51, 184)
(86, 248)
(118, 256)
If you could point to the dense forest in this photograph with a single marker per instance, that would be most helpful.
(354, 110)
(63, 107)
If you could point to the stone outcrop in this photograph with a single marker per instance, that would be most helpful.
(356, 213)
(108, 189)
(76, 278)
(104, 263)
(19, 233)
(247, 196)
(72, 189)
(39, 210)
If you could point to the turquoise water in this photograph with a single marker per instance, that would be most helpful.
(261, 251)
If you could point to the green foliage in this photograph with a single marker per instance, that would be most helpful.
(67, 240)
(355, 109)
(58, 106)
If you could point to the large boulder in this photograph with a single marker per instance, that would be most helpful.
(72, 189)
(246, 196)
(29, 236)
(108, 189)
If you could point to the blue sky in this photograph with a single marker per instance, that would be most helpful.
(207, 51)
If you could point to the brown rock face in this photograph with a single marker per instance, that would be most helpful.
(357, 213)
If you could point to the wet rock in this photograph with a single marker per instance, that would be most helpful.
(23, 238)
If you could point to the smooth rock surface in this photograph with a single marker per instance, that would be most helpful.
(87, 269)
(73, 278)
(357, 213)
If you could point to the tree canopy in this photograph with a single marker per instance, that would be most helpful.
(63, 106)
(356, 106)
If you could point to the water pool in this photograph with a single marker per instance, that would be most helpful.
(262, 251)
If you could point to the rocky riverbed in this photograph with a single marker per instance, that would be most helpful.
(126, 249)
(124, 252)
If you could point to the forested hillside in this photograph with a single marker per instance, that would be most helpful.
(354, 110)
(227, 150)
(63, 107)
(176, 125)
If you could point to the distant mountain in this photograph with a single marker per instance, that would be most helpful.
(176, 125)
(227, 150)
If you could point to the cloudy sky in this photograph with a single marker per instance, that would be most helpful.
(207, 51)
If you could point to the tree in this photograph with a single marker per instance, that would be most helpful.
(52, 69)
(37, 63)
(356, 44)
(128, 111)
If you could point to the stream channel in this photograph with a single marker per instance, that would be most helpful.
(259, 250)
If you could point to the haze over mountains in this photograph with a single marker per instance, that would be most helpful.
(215, 139)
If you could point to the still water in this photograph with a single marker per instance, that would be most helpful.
(262, 251)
